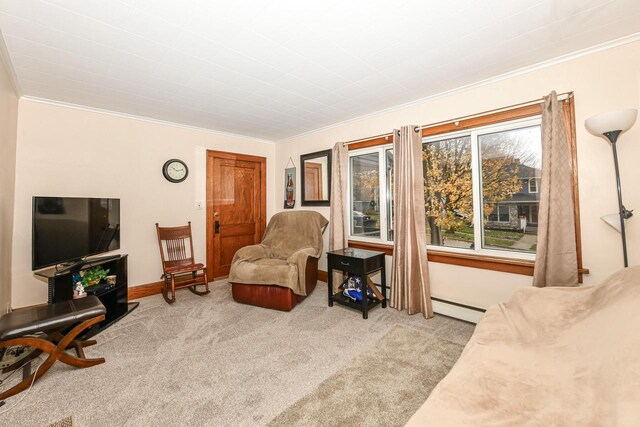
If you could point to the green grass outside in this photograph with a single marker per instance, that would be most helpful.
(499, 238)
(496, 238)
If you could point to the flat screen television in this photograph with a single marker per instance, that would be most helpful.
(67, 229)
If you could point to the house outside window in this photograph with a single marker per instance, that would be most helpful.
(477, 190)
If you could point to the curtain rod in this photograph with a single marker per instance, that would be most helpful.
(382, 135)
(562, 97)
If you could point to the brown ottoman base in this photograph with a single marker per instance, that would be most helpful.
(267, 296)
(273, 296)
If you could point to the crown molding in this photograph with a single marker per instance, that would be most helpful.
(508, 75)
(6, 59)
(524, 70)
(141, 118)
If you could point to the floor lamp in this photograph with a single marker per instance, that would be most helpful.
(610, 125)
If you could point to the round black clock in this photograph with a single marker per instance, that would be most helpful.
(175, 170)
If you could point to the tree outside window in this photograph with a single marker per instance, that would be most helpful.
(476, 189)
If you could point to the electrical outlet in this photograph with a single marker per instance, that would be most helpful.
(199, 205)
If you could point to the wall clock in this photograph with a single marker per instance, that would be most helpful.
(175, 170)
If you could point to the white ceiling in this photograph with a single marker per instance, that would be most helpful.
(273, 69)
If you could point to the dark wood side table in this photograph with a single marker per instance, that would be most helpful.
(361, 262)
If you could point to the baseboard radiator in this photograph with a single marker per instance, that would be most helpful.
(456, 310)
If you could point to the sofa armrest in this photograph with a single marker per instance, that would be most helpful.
(300, 256)
(251, 253)
(299, 259)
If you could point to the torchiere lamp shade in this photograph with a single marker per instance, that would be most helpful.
(618, 120)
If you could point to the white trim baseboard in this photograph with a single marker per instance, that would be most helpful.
(456, 311)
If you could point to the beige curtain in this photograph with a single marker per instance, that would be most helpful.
(409, 272)
(338, 227)
(556, 256)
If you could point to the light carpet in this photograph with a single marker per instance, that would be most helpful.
(383, 386)
(65, 422)
(211, 361)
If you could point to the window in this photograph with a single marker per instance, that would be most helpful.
(389, 187)
(364, 177)
(499, 213)
(498, 232)
(509, 156)
(477, 187)
(448, 191)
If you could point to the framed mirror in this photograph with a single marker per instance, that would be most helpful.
(316, 178)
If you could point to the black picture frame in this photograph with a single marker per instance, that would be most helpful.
(303, 158)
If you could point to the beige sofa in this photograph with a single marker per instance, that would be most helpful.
(548, 357)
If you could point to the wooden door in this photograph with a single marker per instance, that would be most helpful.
(236, 207)
(313, 181)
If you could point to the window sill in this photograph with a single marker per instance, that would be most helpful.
(484, 262)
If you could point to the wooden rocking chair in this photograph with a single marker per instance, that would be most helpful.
(179, 268)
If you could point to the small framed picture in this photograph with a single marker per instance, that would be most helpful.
(289, 188)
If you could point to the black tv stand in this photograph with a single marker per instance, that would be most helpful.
(102, 259)
(113, 297)
(76, 265)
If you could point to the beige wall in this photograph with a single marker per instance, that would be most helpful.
(602, 81)
(8, 127)
(65, 151)
(70, 152)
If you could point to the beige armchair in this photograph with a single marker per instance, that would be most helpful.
(283, 269)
